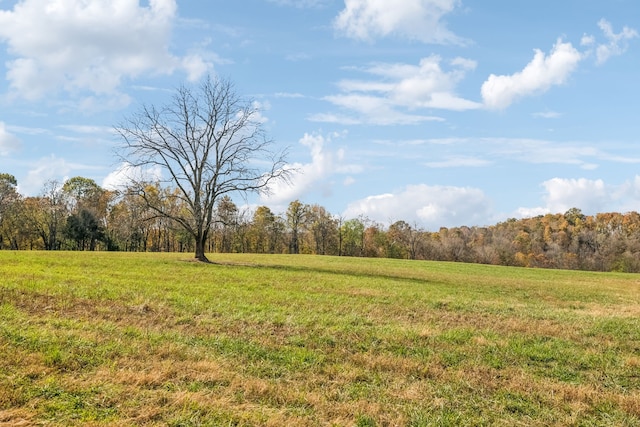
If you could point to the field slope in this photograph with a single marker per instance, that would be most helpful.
(155, 339)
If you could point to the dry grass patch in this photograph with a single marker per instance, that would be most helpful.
(15, 418)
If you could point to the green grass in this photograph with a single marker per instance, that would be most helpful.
(155, 339)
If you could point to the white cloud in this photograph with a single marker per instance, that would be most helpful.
(587, 40)
(543, 72)
(52, 168)
(590, 196)
(296, 57)
(301, 4)
(334, 118)
(399, 87)
(107, 102)
(122, 177)
(538, 151)
(429, 206)
(314, 176)
(81, 46)
(87, 136)
(479, 151)
(585, 194)
(29, 130)
(449, 206)
(43, 170)
(629, 195)
(195, 66)
(366, 109)
(8, 142)
(291, 95)
(88, 129)
(617, 44)
(548, 115)
(457, 162)
(419, 20)
(531, 212)
(428, 85)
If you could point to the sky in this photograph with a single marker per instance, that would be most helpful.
(440, 113)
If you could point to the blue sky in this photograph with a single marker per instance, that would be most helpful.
(437, 112)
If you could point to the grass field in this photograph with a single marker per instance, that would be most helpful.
(156, 339)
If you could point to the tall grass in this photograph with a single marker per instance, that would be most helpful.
(155, 339)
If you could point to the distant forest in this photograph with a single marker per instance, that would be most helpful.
(80, 215)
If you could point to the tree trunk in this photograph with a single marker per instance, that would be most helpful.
(200, 244)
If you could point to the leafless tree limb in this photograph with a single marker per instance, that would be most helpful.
(210, 142)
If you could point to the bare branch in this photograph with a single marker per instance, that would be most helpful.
(210, 143)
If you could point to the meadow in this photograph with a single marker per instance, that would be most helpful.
(100, 339)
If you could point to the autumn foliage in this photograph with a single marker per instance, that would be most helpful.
(80, 215)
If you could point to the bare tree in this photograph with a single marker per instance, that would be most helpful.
(211, 142)
(54, 210)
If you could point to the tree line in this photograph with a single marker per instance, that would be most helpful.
(80, 215)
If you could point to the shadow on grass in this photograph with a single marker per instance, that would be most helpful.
(338, 271)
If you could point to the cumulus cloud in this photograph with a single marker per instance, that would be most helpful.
(539, 75)
(590, 196)
(122, 177)
(531, 212)
(419, 20)
(427, 85)
(317, 175)
(629, 195)
(8, 142)
(89, 46)
(545, 71)
(429, 206)
(564, 194)
(398, 89)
